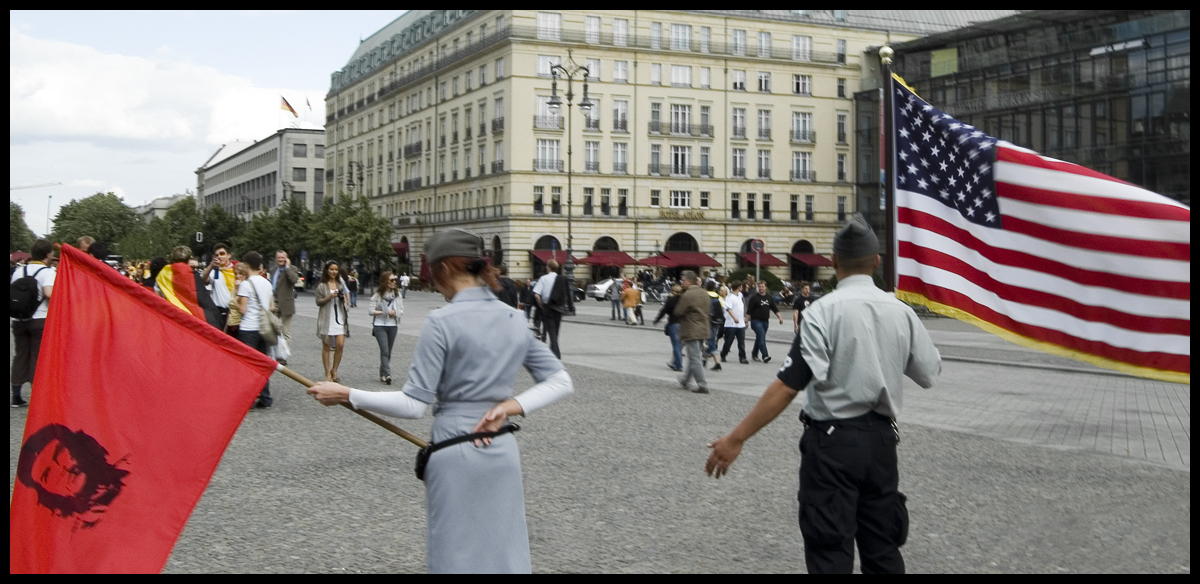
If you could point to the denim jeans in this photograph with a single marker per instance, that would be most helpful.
(353, 298)
(715, 331)
(676, 349)
(618, 309)
(732, 333)
(760, 338)
(255, 341)
(386, 336)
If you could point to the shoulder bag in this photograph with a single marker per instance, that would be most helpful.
(269, 325)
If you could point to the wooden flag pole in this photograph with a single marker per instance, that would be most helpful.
(306, 382)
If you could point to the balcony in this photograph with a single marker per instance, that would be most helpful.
(482, 169)
(795, 216)
(454, 137)
(412, 149)
(804, 136)
(497, 125)
(764, 133)
(739, 132)
(764, 173)
(655, 127)
(497, 166)
(681, 128)
(620, 168)
(548, 122)
(654, 169)
(482, 129)
(804, 175)
(466, 172)
(739, 172)
(542, 165)
(691, 171)
(841, 176)
(621, 125)
(592, 166)
(412, 183)
(766, 213)
(750, 213)
(591, 124)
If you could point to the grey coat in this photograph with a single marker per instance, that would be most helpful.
(327, 305)
(285, 297)
(693, 313)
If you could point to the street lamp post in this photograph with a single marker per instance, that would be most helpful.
(569, 71)
(350, 181)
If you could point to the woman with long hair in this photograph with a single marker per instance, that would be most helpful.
(466, 360)
(332, 318)
(386, 308)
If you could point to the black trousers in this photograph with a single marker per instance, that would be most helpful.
(848, 492)
(732, 333)
(551, 320)
(27, 339)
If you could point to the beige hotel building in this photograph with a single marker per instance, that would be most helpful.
(709, 129)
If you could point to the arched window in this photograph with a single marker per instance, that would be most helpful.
(799, 270)
(681, 242)
(547, 242)
(606, 244)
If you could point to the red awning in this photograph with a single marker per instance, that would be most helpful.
(19, 256)
(812, 260)
(608, 258)
(401, 248)
(692, 258)
(559, 255)
(768, 260)
(658, 260)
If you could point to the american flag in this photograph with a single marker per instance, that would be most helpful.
(1043, 252)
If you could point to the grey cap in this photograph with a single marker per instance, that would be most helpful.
(855, 239)
(453, 243)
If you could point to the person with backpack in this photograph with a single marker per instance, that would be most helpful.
(29, 300)
(508, 289)
(716, 323)
(552, 298)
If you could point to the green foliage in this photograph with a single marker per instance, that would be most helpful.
(349, 228)
(103, 216)
(20, 236)
(774, 284)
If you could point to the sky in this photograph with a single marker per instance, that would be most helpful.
(134, 102)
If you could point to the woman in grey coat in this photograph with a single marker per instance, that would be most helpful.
(333, 320)
(465, 363)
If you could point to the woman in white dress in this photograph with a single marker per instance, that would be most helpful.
(466, 362)
(333, 298)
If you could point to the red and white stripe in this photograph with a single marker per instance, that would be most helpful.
(1083, 261)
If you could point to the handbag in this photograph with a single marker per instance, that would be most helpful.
(269, 325)
(424, 453)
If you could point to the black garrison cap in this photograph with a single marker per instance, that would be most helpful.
(453, 243)
(855, 239)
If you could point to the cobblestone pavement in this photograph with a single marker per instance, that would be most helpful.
(614, 481)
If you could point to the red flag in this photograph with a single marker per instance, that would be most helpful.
(1043, 252)
(121, 437)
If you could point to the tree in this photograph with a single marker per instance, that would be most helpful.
(349, 228)
(20, 236)
(183, 221)
(103, 216)
(147, 241)
(220, 226)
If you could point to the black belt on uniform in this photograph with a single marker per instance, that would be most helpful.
(868, 421)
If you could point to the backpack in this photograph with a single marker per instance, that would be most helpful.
(508, 292)
(558, 295)
(24, 296)
(716, 315)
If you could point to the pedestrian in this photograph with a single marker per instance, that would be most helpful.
(404, 285)
(528, 301)
(693, 312)
(716, 321)
(219, 278)
(241, 272)
(352, 285)
(802, 302)
(553, 299)
(508, 289)
(156, 266)
(386, 308)
(254, 299)
(735, 323)
(614, 296)
(283, 283)
(333, 326)
(672, 330)
(641, 301)
(30, 289)
(182, 285)
(84, 242)
(629, 299)
(759, 307)
(852, 353)
(467, 358)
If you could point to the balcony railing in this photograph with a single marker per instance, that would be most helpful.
(655, 127)
(764, 133)
(764, 173)
(497, 125)
(620, 168)
(621, 125)
(683, 128)
(841, 177)
(592, 124)
(804, 175)
(542, 165)
(692, 171)
(841, 138)
(412, 183)
(548, 122)
(739, 172)
(442, 178)
(591, 166)
(654, 168)
(804, 136)
(497, 166)
(750, 213)
(467, 172)
(482, 169)
(454, 137)
(739, 132)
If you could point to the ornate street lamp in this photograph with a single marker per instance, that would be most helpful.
(585, 105)
(350, 181)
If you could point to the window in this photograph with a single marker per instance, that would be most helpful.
(546, 64)
(703, 199)
(734, 202)
(802, 166)
(442, 91)
(655, 74)
(319, 151)
(467, 80)
(681, 119)
(547, 154)
(620, 115)
(592, 29)
(705, 38)
(681, 159)
(556, 200)
(681, 37)
(801, 48)
(546, 118)
(681, 76)
(593, 67)
(500, 68)
(499, 157)
(655, 158)
(655, 35)
(739, 42)
(841, 209)
(739, 162)
(482, 75)
(739, 122)
(739, 81)
(705, 162)
(795, 208)
(764, 44)
(841, 85)
(622, 202)
(705, 120)
(766, 206)
(681, 199)
(499, 107)
(606, 201)
(808, 207)
(619, 150)
(764, 82)
(656, 117)
(591, 157)
(654, 198)
(620, 71)
(841, 169)
(764, 124)
(764, 164)
(549, 26)
(705, 77)
(467, 160)
(841, 128)
(300, 150)
(299, 174)
(802, 127)
(620, 32)
(750, 206)
(591, 117)
(588, 197)
(841, 51)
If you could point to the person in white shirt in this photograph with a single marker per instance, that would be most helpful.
(735, 323)
(255, 296)
(404, 286)
(386, 308)
(27, 332)
(220, 280)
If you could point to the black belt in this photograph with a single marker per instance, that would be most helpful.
(424, 454)
(868, 421)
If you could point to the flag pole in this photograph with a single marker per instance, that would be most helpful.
(306, 382)
(889, 173)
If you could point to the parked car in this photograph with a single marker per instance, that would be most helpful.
(599, 290)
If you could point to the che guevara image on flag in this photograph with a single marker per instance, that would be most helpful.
(122, 434)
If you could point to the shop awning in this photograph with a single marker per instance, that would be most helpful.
(812, 260)
(692, 258)
(401, 249)
(544, 255)
(768, 260)
(19, 256)
(608, 258)
(658, 261)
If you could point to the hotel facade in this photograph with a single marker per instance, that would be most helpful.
(708, 130)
